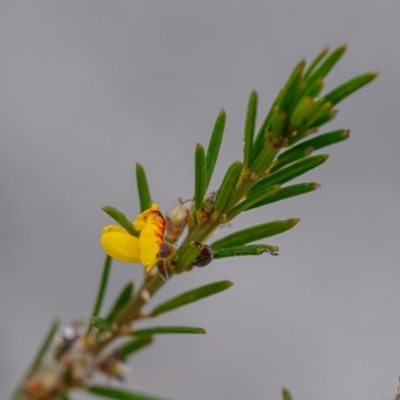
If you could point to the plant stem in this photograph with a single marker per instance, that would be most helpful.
(18, 394)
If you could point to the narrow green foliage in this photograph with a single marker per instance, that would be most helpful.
(314, 89)
(121, 219)
(302, 112)
(227, 187)
(199, 176)
(264, 159)
(250, 201)
(118, 394)
(19, 393)
(286, 395)
(288, 173)
(322, 114)
(326, 65)
(157, 330)
(249, 129)
(63, 396)
(347, 88)
(102, 289)
(101, 323)
(316, 61)
(278, 122)
(287, 192)
(250, 250)
(254, 233)
(186, 259)
(258, 142)
(121, 300)
(292, 88)
(191, 296)
(133, 346)
(305, 148)
(143, 188)
(214, 146)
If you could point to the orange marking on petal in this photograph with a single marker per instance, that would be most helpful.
(151, 238)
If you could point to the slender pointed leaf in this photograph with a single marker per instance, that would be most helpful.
(121, 300)
(214, 146)
(305, 148)
(121, 219)
(278, 122)
(286, 394)
(191, 296)
(227, 187)
(118, 394)
(199, 176)
(249, 129)
(288, 173)
(265, 157)
(349, 87)
(249, 201)
(143, 188)
(291, 90)
(287, 192)
(63, 396)
(37, 359)
(133, 346)
(157, 330)
(313, 89)
(101, 323)
(250, 250)
(102, 289)
(326, 65)
(316, 61)
(254, 233)
(302, 113)
(186, 259)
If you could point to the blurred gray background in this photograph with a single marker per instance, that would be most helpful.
(88, 88)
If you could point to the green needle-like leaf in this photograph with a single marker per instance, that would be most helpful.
(305, 148)
(191, 296)
(288, 173)
(287, 192)
(47, 341)
(157, 330)
(316, 61)
(102, 289)
(133, 346)
(278, 122)
(326, 65)
(249, 129)
(143, 188)
(118, 394)
(347, 88)
(251, 250)
(302, 112)
(101, 323)
(199, 176)
(214, 146)
(121, 300)
(186, 258)
(63, 396)
(121, 219)
(227, 187)
(250, 201)
(286, 395)
(293, 86)
(254, 233)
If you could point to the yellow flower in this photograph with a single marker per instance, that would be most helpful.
(122, 246)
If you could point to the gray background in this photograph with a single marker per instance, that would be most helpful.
(89, 88)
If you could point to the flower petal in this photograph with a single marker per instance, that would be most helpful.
(119, 244)
(151, 238)
(140, 221)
